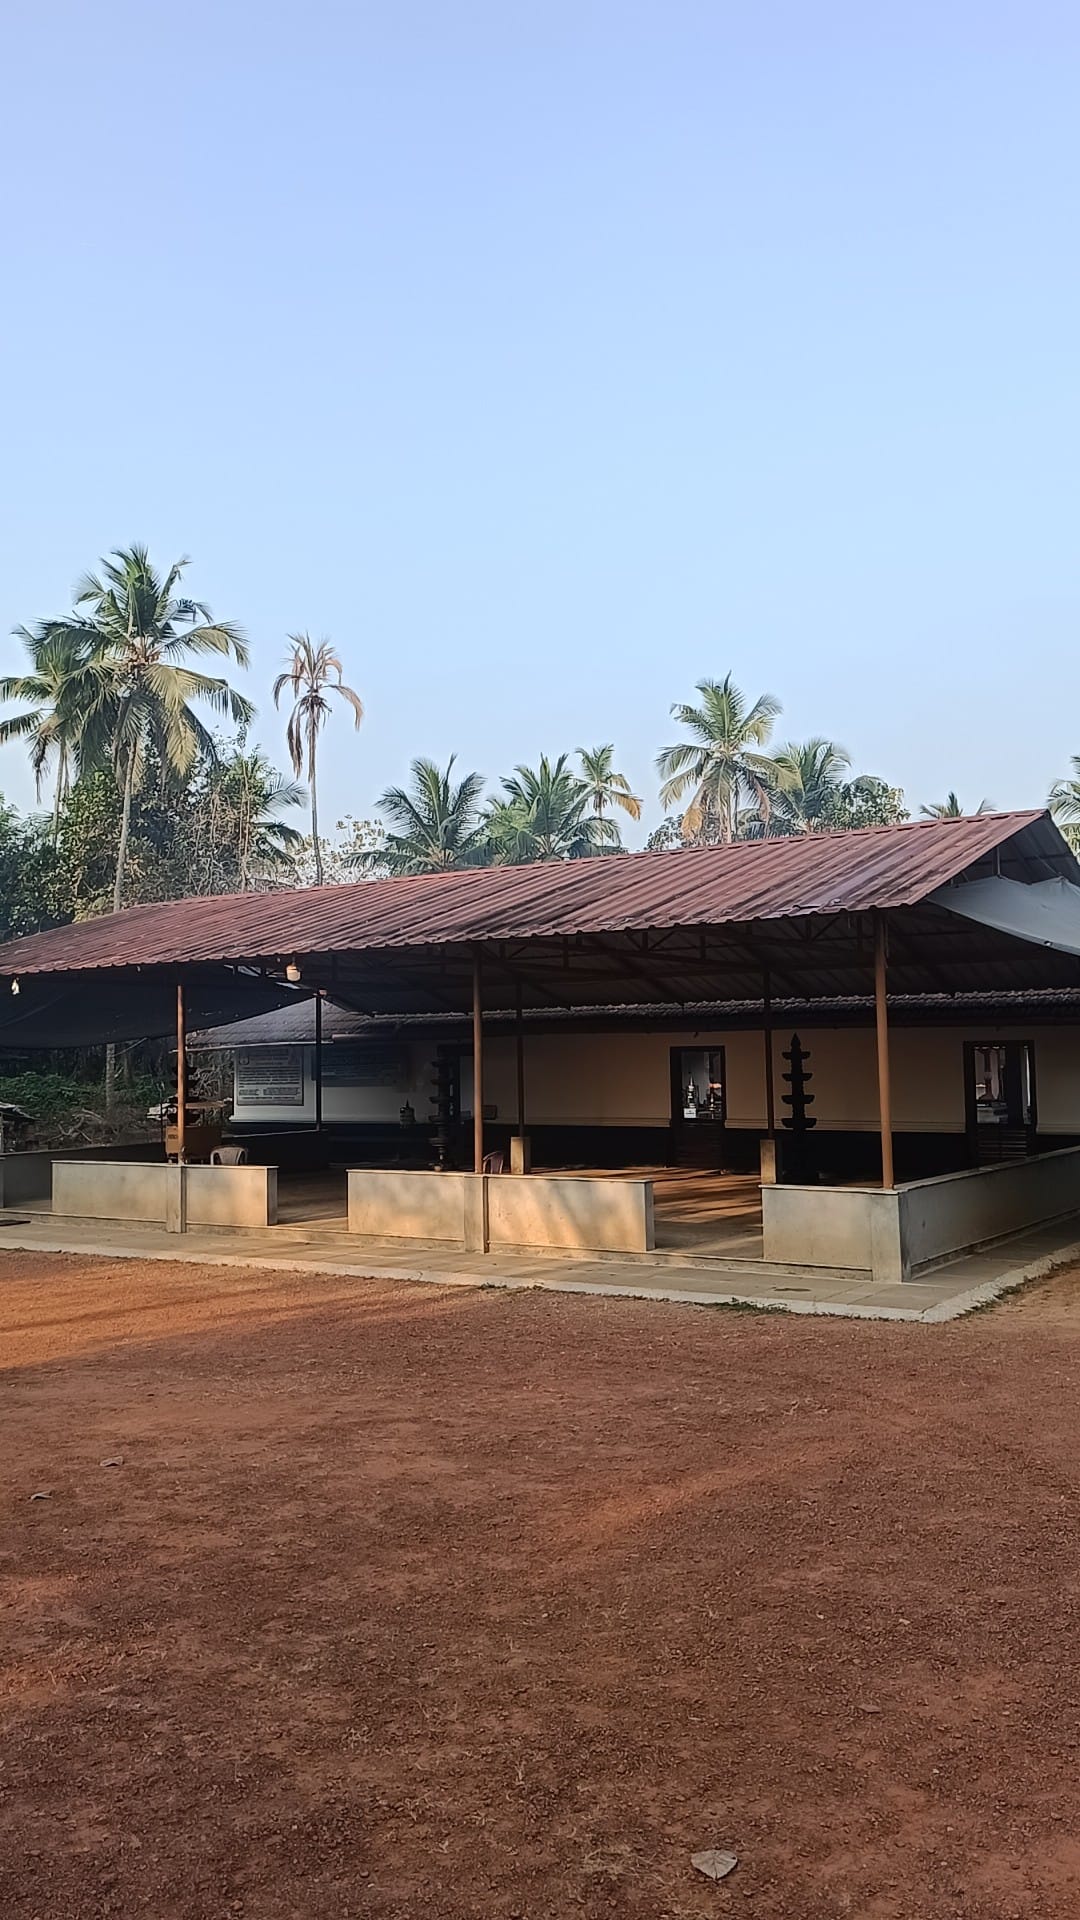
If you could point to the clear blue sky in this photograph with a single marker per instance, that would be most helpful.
(550, 357)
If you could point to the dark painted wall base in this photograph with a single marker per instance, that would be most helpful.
(311, 1148)
(588, 1146)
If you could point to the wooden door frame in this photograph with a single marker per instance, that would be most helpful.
(971, 1125)
(676, 1053)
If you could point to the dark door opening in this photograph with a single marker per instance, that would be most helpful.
(698, 1106)
(1002, 1120)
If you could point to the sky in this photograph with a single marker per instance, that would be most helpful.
(552, 357)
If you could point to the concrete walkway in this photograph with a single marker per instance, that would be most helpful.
(951, 1290)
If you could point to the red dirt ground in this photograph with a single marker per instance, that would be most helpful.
(410, 1602)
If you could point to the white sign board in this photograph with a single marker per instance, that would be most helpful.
(270, 1077)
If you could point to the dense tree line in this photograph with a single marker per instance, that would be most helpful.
(142, 800)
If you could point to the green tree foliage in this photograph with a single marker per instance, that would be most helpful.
(546, 813)
(239, 839)
(830, 807)
(434, 825)
(353, 848)
(810, 780)
(29, 864)
(951, 809)
(666, 838)
(147, 804)
(137, 635)
(226, 837)
(1064, 804)
(720, 770)
(814, 796)
(868, 801)
(57, 694)
(606, 788)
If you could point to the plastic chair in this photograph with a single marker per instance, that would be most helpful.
(494, 1163)
(229, 1157)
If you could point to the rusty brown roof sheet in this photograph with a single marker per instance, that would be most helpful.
(884, 867)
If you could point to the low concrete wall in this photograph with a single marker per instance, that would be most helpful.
(894, 1232)
(246, 1197)
(503, 1210)
(387, 1205)
(119, 1190)
(597, 1216)
(855, 1228)
(960, 1210)
(110, 1190)
(28, 1176)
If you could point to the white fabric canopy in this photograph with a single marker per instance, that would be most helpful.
(1047, 913)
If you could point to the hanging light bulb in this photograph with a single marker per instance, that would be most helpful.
(15, 988)
(292, 973)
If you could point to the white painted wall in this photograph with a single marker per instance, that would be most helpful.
(625, 1079)
(609, 1079)
(349, 1103)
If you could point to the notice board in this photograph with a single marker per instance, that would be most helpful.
(270, 1077)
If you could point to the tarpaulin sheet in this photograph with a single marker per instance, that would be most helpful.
(51, 1011)
(1047, 913)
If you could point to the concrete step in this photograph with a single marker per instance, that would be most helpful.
(764, 1269)
(325, 1234)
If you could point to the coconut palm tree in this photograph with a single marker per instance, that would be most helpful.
(720, 768)
(247, 796)
(435, 823)
(1064, 804)
(606, 788)
(58, 690)
(950, 809)
(138, 635)
(811, 782)
(315, 674)
(543, 813)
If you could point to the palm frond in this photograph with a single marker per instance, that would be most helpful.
(220, 636)
(351, 699)
(19, 725)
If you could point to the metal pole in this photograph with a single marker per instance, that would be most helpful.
(318, 1062)
(181, 1076)
(767, 1036)
(478, 1073)
(520, 1037)
(881, 1023)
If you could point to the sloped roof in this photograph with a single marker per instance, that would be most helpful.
(723, 923)
(765, 880)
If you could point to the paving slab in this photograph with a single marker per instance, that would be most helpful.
(943, 1294)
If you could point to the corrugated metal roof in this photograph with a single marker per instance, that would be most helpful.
(294, 1025)
(883, 867)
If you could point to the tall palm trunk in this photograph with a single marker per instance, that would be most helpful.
(61, 792)
(118, 895)
(316, 849)
(729, 814)
(244, 844)
(125, 829)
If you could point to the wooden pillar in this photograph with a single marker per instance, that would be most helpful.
(181, 1075)
(767, 1036)
(881, 1024)
(478, 1072)
(519, 1035)
(318, 1062)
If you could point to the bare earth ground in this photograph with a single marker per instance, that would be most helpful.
(407, 1602)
